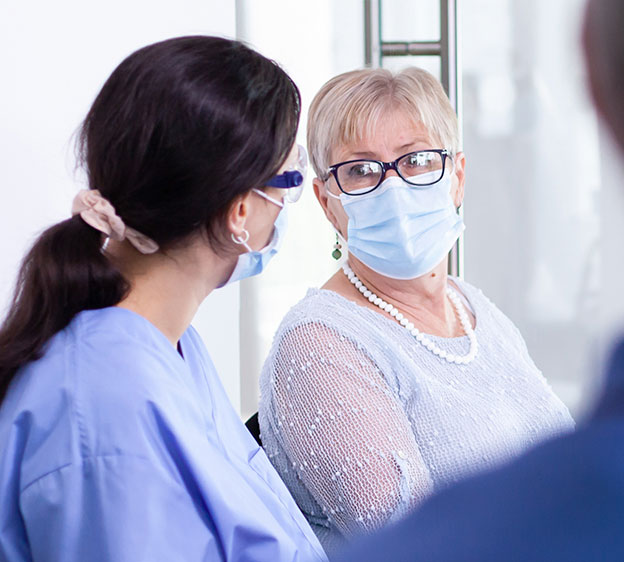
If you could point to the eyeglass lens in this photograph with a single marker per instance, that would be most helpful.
(365, 175)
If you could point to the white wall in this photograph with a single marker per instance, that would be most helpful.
(54, 58)
(312, 41)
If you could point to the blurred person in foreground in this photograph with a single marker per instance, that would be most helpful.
(564, 500)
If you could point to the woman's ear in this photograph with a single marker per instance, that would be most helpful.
(460, 174)
(238, 214)
(321, 195)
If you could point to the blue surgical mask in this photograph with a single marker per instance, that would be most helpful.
(402, 231)
(253, 262)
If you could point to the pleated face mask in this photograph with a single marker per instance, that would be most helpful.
(402, 231)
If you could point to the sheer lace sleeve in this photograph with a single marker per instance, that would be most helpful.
(343, 429)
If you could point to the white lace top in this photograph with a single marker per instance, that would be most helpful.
(362, 422)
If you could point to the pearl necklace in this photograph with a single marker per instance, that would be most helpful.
(409, 326)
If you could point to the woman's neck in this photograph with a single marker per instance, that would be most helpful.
(167, 289)
(422, 300)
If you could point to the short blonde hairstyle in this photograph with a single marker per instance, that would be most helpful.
(348, 107)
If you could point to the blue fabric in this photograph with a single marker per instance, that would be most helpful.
(563, 501)
(114, 447)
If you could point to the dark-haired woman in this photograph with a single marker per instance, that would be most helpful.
(117, 439)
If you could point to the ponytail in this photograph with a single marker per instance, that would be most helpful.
(64, 273)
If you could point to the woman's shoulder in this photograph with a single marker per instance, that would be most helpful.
(319, 302)
(324, 317)
(100, 387)
(490, 318)
(325, 307)
(325, 329)
(476, 298)
(469, 291)
(110, 361)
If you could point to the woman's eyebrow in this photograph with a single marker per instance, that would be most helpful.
(402, 149)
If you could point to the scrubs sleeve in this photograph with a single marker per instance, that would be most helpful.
(115, 507)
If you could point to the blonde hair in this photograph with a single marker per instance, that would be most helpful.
(349, 105)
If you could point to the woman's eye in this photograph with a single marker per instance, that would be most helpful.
(360, 170)
(417, 160)
(421, 162)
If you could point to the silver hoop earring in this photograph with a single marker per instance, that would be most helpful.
(241, 239)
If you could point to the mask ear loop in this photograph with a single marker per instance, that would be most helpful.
(332, 195)
(268, 198)
(326, 184)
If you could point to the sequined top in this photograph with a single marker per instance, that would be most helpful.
(362, 422)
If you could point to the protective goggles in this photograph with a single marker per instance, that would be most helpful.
(293, 177)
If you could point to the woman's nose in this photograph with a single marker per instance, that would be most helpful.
(390, 170)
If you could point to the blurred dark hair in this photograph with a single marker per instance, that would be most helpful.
(603, 36)
(179, 131)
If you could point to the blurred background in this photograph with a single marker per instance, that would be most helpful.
(543, 193)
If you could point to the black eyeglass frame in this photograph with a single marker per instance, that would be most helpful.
(385, 166)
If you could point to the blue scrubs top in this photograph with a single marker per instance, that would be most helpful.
(115, 447)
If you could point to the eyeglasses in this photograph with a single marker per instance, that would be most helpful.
(292, 179)
(420, 169)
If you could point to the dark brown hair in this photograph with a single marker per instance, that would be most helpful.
(179, 130)
(603, 37)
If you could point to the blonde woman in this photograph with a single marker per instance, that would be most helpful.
(394, 379)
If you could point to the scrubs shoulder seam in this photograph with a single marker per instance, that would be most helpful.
(79, 462)
(90, 329)
(75, 405)
(137, 343)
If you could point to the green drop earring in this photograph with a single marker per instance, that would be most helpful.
(337, 254)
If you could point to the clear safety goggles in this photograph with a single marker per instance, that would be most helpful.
(293, 177)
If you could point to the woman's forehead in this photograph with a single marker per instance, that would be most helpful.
(393, 133)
